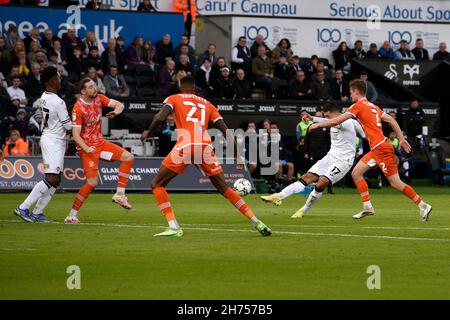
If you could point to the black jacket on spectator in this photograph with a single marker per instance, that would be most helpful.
(414, 121)
(340, 59)
(282, 71)
(188, 68)
(48, 45)
(317, 144)
(339, 89)
(33, 88)
(296, 87)
(164, 51)
(421, 54)
(200, 79)
(105, 60)
(143, 8)
(372, 56)
(321, 90)
(215, 73)
(75, 68)
(223, 88)
(242, 89)
(68, 44)
(243, 53)
(166, 83)
(442, 56)
(5, 112)
(357, 54)
(91, 61)
(293, 69)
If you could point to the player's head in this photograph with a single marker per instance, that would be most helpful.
(88, 88)
(187, 85)
(51, 79)
(331, 110)
(358, 89)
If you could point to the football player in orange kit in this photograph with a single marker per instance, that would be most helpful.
(87, 132)
(381, 152)
(192, 115)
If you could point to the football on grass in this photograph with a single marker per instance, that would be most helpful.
(242, 186)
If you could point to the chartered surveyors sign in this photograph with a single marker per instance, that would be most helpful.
(24, 173)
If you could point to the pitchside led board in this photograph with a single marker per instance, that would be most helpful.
(23, 173)
(104, 23)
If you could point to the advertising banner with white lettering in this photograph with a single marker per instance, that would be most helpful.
(321, 37)
(384, 10)
(105, 24)
(24, 173)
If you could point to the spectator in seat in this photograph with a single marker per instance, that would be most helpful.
(184, 65)
(21, 122)
(184, 50)
(33, 86)
(202, 78)
(14, 72)
(149, 54)
(135, 52)
(372, 93)
(320, 67)
(5, 113)
(419, 52)
(92, 74)
(184, 41)
(216, 69)
(34, 48)
(166, 79)
(357, 52)
(41, 59)
(403, 52)
(262, 69)
(53, 62)
(70, 41)
(12, 37)
(414, 119)
(112, 56)
(294, 66)
(36, 125)
(340, 87)
(321, 89)
(164, 50)
(242, 87)
(15, 92)
(285, 157)
(57, 49)
(93, 4)
(91, 41)
(21, 61)
(386, 51)
(300, 87)
(442, 53)
(33, 36)
(120, 41)
(259, 41)
(342, 57)
(115, 84)
(210, 53)
(282, 70)
(283, 49)
(47, 40)
(223, 88)
(93, 60)
(4, 56)
(311, 67)
(15, 145)
(241, 56)
(373, 53)
(146, 6)
(166, 141)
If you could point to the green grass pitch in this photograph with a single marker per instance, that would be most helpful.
(221, 256)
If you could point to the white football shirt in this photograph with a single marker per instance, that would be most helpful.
(55, 116)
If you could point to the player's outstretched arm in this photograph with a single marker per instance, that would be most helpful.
(159, 118)
(394, 125)
(118, 108)
(332, 122)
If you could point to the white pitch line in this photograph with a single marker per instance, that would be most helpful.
(322, 234)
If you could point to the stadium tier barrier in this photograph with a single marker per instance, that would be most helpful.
(22, 173)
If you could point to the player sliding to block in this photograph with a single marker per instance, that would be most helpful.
(331, 168)
(87, 132)
(192, 115)
(381, 152)
(53, 145)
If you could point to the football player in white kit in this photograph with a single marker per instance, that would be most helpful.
(331, 168)
(53, 146)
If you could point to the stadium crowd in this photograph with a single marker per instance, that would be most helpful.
(147, 69)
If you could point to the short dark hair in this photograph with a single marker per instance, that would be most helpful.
(359, 85)
(331, 107)
(187, 81)
(314, 57)
(82, 84)
(419, 39)
(242, 37)
(93, 48)
(112, 66)
(274, 123)
(364, 73)
(206, 59)
(403, 41)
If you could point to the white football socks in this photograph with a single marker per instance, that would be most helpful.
(120, 190)
(313, 197)
(44, 200)
(295, 187)
(367, 205)
(38, 191)
(173, 224)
